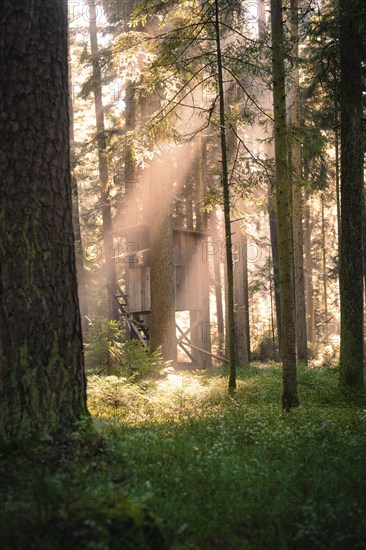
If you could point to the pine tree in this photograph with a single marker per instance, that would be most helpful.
(42, 382)
(283, 200)
(297, 209)
(109, 252)
(350, 275)
(162, 328)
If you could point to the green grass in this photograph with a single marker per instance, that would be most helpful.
(216, 472)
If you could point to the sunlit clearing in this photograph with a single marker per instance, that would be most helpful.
(175, 397)
(180, 383)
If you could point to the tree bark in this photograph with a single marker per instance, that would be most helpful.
(246, 294)
(193, 176)
(310, 314)
(272, 217)
(324, 270)
(109, 252)
(240, 263)
(283, 200)
(273, 229)
(218, 284)
(202, 225)
(350, 275)
(162, 285)
(297, 210)
(42, 381)
(227, 219)
(130, 172)
(240, 279)
(79, 255)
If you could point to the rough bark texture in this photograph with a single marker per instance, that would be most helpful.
(297, 212)
(240, 263)
(364, 245)
(218, 283)
(350, 276)
(273, 230)
(246, 294)
(109, 252)
(227, 220)
(240, 295)
(42, 382)
(283, 201)
(80, 267)
(201, 225)
(324, 269)
(193, 168)
(162, 286)
(272, 217)
(130, 172)
(310, 314)
(128, 214)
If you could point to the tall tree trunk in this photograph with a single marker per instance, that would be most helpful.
(337, 184)
(130, 208)
(246, 293)
(364, 242)
(364, 254)
(189, 184)
(130, 175)
(240, 271)
(297, 211)
(310, 314)
(240, 276)
(79, 256)
(202, 225)
(273, 331)
(109, 252)
(272, 217)
(42, 381)
(273, 229)
(162, 285)
(283, 200)
(218, 283)
(227, 220)
(350, 275)
(338, 197)
(324, 270)
(193, 176)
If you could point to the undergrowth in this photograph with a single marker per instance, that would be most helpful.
(217, 472)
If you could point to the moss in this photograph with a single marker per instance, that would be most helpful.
(46, 256)
(93, 525)
(24, 355)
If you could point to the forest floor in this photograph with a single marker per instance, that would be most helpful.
(215, 472)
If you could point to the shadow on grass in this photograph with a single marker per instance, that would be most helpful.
(217, 472)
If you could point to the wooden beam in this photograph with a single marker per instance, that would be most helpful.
(184, 334)
(187, 353)
(189, 343)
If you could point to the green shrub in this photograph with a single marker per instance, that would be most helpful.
(89, 525)
(217, 471)
(104, 348)
(108, 352)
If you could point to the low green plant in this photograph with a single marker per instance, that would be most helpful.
(217, 471)
(104, 348)
(89, 525)
(109, 352)
(140, 362)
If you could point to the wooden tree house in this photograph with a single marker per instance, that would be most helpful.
(190, 274)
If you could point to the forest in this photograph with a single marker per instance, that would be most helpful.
(182, 274)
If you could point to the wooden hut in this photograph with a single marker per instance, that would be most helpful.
(191, 276)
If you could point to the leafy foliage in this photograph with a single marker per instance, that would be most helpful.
(217, 472)
(105, 346)
(109, 351)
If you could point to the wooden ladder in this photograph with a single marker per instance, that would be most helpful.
(136, 328)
